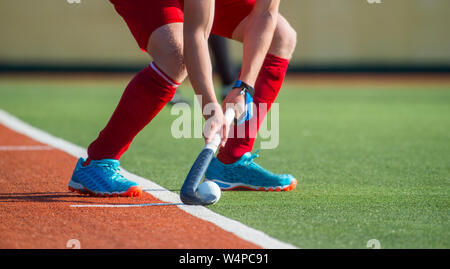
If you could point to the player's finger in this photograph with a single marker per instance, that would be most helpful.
(207, 132)
(225, 130)
(211, 132)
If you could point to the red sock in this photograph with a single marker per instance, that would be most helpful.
(267, 86)
(141, 101)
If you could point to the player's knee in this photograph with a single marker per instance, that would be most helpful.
(174, 63)
(179, 68)
(291, 40)
(167, 52)
(284, 40)
(288, 40)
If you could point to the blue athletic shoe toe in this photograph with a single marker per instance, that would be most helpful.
(102, 178)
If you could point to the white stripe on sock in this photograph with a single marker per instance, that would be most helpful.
(161, 74)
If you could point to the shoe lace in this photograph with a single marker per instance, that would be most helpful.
(250, 159)
(112, 169)
(249, 162)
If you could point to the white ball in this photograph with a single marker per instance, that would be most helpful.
(209, 191)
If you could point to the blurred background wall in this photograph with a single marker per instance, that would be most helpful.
(331, 33)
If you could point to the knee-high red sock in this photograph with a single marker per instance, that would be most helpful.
(267, 86)
(144, 97)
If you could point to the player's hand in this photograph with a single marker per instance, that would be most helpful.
(215, 123)
(236, 100)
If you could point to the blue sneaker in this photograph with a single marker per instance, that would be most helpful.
(102, 179)
(245, 174)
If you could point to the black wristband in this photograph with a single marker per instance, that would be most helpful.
(242, 85)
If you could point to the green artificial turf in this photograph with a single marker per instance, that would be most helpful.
(373, 162)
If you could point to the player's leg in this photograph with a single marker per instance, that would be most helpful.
(145, 95)
(267, 86)
(171, 53)
(165, 46)
(223, 64)
(235, 159)
(143, 98)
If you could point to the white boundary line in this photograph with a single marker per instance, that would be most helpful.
(239, 229)
(25, 148)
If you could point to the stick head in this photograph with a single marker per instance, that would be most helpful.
(193, 199)
(188, 193)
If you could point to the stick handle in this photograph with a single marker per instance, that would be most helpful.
(214, 144)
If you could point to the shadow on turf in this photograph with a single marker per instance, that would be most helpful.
(51, 197)
(44, 197)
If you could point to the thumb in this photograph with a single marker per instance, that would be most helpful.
(209, 132)
(225, 130)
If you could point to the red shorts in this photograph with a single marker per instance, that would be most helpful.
(145, 16)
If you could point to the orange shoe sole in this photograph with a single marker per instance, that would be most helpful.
(134, 191)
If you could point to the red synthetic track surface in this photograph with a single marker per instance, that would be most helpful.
(35, 209)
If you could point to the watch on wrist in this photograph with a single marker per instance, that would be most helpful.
(244, 86)
(248, 91)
